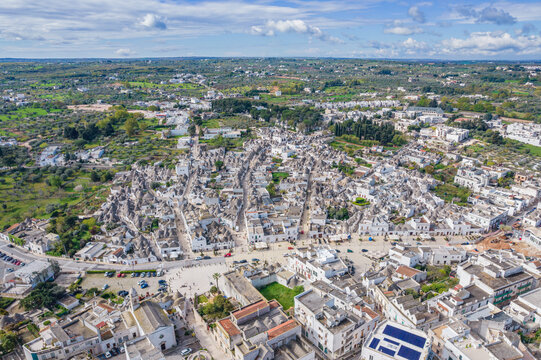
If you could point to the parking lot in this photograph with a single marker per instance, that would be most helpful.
(6, 266)
(116, 284)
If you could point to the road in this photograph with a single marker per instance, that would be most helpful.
(245, 182)
(305, 217)
(181, 229)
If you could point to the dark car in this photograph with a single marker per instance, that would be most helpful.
(122, 293)
(243, 261)
(206, 257)
(255, 260)
(364, 250)
(162, 282)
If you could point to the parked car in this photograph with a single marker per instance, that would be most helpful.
(290, 248)
(350, 251)
(244, 261)
(186, 351)
(255, 260)
(105, 287)
(122, 293)
(144, 285)
(206, 257)
(162, 282)
(143, 274)
(227, 255)
(133, 274)
(153, 274)
(199, 258)
(137, 274)
(108, 355)
(364, 250)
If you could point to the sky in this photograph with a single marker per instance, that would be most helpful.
(447, 30)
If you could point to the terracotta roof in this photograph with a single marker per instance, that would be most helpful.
(117, 252)
(282, 328)
(407, 271)
(101, 324)
(106, 307)
(250, 309)
(12, 227)
(229, 328)
(370, 312)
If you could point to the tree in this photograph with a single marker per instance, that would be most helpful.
(216, 276)
(55, 181)
(131, 126)
(71, 133)
(56, 267)
(192, 129)
(8, 341)
(94, 176)
(44, 295)
(219, 164)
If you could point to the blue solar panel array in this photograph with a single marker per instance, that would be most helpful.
(387, 351)
(392, 342)
(405, 336)
(408, 353)
(374, 343)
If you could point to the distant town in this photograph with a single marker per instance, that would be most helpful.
(270, 209)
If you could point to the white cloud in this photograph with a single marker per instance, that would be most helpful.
(153, 21)
(416, 14)
(403, 30)
(125, 52)
(488, 14)
(493, 43)
(272, 27)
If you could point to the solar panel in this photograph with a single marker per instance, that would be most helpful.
(387, 351)
(374, 343)
(408, 353)
(405, 336)
(392, 342)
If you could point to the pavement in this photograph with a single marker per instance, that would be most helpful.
(274, 254)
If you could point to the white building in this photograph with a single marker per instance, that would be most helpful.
(336, 330)
(320, 263)
(397, 342)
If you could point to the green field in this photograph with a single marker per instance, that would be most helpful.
(149, 85)
(22, 199)
(279, 176)
(534, 150)
(281, 293)
(448, 192)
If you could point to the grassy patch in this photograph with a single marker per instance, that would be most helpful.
(211, 124)
(279, 176)
(27, 195)
(361, 201)
(450, 192)
(533, 150)
(5, 302)
(281, 293)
